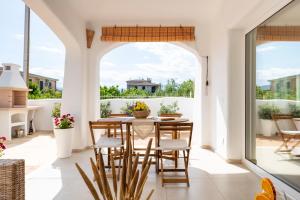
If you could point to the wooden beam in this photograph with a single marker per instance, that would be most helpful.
(89, 37)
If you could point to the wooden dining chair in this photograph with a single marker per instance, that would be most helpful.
(286, 135)
(113, 115)
(178, 144)
(110, 140)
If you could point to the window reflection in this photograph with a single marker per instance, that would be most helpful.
(273, 95)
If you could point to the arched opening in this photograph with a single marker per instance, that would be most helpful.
(169, 76)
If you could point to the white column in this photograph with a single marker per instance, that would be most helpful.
(74, 94)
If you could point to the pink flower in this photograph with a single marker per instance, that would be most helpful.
(2, 146)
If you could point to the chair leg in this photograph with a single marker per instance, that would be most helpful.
(284, 144)
(162, 169)
(120, 162)
(157, 161)
(186, 166)
(108, 156)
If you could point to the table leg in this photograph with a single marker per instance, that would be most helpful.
(175, 152)
(127, 136)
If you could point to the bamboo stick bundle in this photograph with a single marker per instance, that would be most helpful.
(132, 181)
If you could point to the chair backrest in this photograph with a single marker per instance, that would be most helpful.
(143, 127)
(118, 115)
(176, 127)
(108, 126)
(286, 117)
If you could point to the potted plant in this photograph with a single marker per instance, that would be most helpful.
(105, 110)
(128, 109)
(265, 115)
(140, 110)
(169, 110)
(295, 111)
(63, 132)
(2, 146)
(55, 112)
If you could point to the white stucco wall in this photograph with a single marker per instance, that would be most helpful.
(43, 120)
(186, 105)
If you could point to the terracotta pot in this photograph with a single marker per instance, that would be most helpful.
(141, 114)
(176, 115)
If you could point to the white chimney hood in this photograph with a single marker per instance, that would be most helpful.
(11, 77)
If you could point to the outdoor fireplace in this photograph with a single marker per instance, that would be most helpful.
(13, 102)
(13, 90)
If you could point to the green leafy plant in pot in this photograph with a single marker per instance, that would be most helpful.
(265, 113)
(169, 110)
(105, 109)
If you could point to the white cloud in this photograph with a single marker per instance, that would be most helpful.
(260, 49)
(19, 36)
(162, 61)
(107, 63)
(264, 75)
(50, 49)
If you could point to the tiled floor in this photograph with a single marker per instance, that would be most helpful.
(211, 177)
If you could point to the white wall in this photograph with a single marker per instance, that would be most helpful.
(186, 105)
(43, 119)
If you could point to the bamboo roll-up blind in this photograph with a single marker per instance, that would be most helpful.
(148, 34)
(278, 33)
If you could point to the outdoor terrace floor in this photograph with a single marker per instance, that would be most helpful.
(50, 178)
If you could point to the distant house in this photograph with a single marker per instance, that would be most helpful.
(41, 81)
(142, 84)
(287, 83)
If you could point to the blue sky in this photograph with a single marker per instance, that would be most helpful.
(159, 61)
(46, 50)
(277, 59)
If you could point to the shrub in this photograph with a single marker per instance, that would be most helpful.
(168, 109)
(295, 110)
(105, 110)
(56, 110)
(128, 108)
(266, 111)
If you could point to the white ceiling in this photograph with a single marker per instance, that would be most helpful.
(144, 12)
(290, 15)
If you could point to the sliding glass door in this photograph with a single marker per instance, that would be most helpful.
(273, 95)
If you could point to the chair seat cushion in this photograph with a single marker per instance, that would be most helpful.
(169, 144)
(291, 132)
(108, 142)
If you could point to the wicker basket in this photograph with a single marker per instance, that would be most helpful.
(12, 179)
(141, 114)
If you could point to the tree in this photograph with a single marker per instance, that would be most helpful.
(133, 92)
(112, 91)
(46, 93)
(171, 88)
(186, 89)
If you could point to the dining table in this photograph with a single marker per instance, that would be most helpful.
(128, 122)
